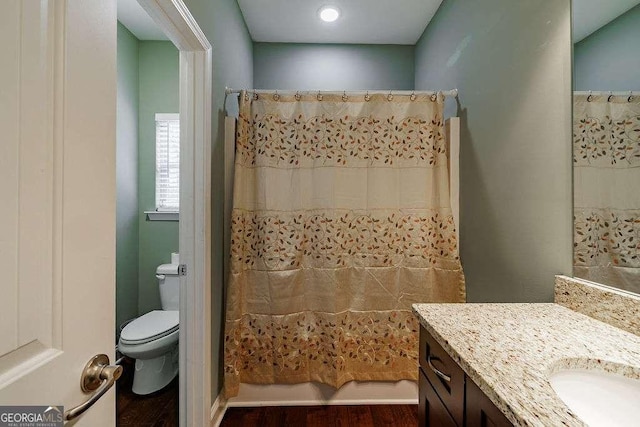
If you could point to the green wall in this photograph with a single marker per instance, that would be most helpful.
(609, 59)
(511, 62)
(222, 23)
(127, 178)
(148, 83)
(159, 93)
(332, 66)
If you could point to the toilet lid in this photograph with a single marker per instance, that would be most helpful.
(151, 326)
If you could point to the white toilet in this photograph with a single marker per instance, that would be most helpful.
(152, 339)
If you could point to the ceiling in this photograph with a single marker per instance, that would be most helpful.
(590, 15)
(136, 19)
(360, 21)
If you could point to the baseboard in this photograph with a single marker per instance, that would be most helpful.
(313, 394)
(218, 410)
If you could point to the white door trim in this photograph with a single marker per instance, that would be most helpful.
(178, 24)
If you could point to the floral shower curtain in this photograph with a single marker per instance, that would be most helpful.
(606, 156)
(341, 220)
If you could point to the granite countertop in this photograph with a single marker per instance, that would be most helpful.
(508, 350)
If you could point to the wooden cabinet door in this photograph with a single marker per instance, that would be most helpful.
(431, 410)
(481, 412)
(444, 375)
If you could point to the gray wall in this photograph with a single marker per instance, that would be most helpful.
(127, 178)
(609, 59)
(222, 23)
(332, 66)
(511, 63)
(159, 93)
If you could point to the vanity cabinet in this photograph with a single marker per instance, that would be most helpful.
(448, 398)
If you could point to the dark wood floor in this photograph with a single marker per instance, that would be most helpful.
(323, 416)
(158, 409)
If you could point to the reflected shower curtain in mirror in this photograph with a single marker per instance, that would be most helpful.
(606, 156)
(341, 220)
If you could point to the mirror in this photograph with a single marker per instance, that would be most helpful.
(606, 142)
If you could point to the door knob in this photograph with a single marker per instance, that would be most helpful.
(98, 377)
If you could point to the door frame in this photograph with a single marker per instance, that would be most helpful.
(175, 20)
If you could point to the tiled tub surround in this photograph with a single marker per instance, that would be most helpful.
(617, 308)
(508, 350)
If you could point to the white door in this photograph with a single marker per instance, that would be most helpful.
(57, 199)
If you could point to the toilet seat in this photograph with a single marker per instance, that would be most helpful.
(151, 326)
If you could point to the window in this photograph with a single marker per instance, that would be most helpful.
(167, 162)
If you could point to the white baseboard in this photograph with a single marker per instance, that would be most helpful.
(218, 410)
(313, 394)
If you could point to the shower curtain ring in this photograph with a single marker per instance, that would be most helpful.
(630, 98)
(276, 97)
(413, 96)
(255, 96)
(390, 96)
(298, 97)
(610, 96)
(590, 97)
(319, 96)
(434, 97)
(367, 97)
(344, 96)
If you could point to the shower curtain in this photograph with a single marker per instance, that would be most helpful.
(606, 156)
(341, 220)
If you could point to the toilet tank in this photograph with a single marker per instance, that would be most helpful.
(169, 284)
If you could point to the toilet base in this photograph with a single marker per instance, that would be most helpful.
(154, 374)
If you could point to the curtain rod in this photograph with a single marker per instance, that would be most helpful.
(605, 92)
(452, 93)
(629, 94)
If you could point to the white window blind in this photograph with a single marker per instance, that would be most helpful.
(167, 162)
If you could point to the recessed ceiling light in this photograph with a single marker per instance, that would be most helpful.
(329, 13)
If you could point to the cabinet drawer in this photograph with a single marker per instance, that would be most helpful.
(445, 376)
(431, 411)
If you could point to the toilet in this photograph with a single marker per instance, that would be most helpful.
(152, 339)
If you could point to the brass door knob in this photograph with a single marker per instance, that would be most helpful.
(98, 376)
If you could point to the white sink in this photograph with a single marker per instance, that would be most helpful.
(599, 399)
